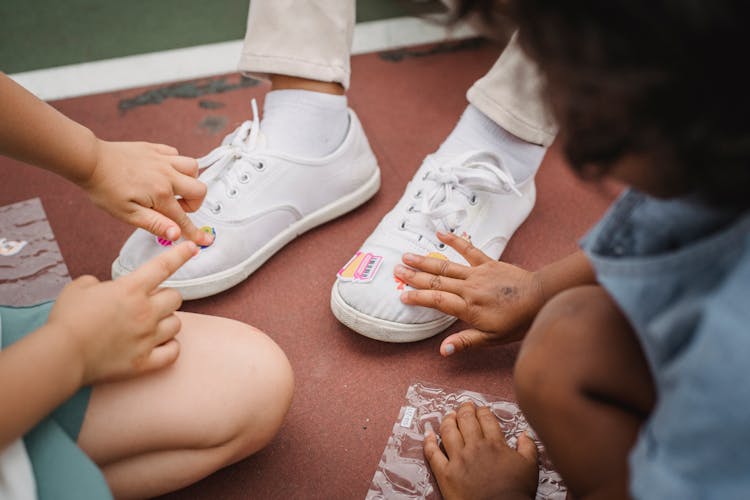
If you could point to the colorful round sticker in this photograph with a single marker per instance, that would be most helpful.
(210, 230)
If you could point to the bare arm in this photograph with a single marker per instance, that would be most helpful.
(39, 372)
(134, 181)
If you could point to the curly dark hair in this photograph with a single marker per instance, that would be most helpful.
(664, 78)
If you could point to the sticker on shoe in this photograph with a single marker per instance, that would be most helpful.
(164, 242)
(361, 268)
(437, 255)
(210, 230)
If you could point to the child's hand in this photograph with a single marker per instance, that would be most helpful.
(137, 182)
(497, 299)
(124, 327)
(479, 463)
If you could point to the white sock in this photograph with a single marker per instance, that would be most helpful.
(304, 123)
(476, 131)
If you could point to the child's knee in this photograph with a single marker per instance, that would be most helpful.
(544, 370)
(265, 389)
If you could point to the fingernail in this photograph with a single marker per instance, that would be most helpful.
(530, 434)
(173, 233)
(450, 349)
(428, 431)
(449, 413)
(440, 233)
(193, 247)
(409, 257)
(405, 297)
(399, 269)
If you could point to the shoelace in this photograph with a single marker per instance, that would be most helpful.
(449, 188)
(239, 145)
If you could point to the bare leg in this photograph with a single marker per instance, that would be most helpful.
(584, 385)
(222, 400)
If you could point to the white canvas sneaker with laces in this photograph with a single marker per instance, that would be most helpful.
(472, 195)
(259, 200)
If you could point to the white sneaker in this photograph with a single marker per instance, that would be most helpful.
(258, 201)
(472, 195)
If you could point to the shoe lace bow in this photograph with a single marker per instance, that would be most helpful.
(448, 189)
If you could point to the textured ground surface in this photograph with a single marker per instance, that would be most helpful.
(349, 388)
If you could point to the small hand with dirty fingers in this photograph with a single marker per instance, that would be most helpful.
(477, 462)
(497, 299)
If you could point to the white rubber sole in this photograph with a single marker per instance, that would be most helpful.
(384, 330)
(206, 286)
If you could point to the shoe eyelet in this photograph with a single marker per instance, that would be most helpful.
(452, 230)
(473, 200)
(232, 193)
(410, 209)
(217, 209)
(260, 166)
(402, 226)
(244, 178)
(441, 246)
(418, 195)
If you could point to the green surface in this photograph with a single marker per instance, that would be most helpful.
(38, 34)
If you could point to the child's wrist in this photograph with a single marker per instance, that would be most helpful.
(84, 162)
(69, 348)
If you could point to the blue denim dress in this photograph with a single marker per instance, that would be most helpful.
(680, 272)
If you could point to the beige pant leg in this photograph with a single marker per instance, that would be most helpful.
(303, 38)
(510, 94)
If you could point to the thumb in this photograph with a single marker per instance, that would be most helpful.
(161, 356)
(463, 340)
(155, 223)
(526, 447)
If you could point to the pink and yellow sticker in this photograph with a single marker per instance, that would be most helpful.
(168, 243)
(361, 268)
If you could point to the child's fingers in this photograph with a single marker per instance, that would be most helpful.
(464, 340)
(428, 281)
(446, 302)
(189, 188)
(436, 266)
(152, 273)
(451, 436)
(185, 165)
(166, 301)
(432, 451)
(466, 418)
(172, 209)
(161, 356)
(153, 222)
(190, 206)
(527, 448)
(472, 254)
(166, 330)
(489, 424)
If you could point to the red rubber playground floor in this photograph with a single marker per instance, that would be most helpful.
(349, 388)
